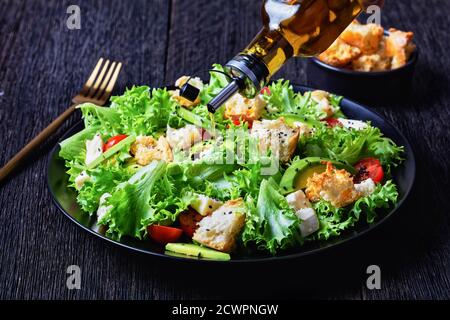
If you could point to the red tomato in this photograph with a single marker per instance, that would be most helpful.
(333, 122)
(189, 220)
(369, 168)
(163, 234)
(113, 141)
(237, 121)
(266, 91)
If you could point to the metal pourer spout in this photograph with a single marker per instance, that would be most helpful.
(224, 95)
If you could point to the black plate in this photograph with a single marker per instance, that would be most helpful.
(65, 198)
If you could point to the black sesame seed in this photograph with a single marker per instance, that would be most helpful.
(207, 230)
(210, 206)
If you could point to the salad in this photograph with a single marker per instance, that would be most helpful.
(269, 173)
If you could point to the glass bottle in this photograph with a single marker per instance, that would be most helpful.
(291, 28)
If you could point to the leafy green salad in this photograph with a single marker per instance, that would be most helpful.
(269, 173)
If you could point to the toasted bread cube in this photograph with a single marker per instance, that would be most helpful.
(146, 149)
(196, 82)
(183, 138)
(277, 136)
(205, 205)
(334, 186)
(340, 54)
(366, 37)
(399, 47)
(220, 230)
(373, 62)
(240, 107)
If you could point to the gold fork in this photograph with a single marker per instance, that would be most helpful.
(97, 90)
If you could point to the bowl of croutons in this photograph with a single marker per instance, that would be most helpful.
(366, 63)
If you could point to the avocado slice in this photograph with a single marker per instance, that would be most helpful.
(193, 118)
(297, 174)
(191, 249)
(291, 118)
(111, 151)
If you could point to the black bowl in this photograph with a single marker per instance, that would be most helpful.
(65, 198)
(367, 87)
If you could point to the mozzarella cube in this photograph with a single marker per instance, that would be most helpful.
(94, 149)
(102, 210)
(353, 124)
(297, 200)
(366, 187)
(81, 179)
(205, 205)
(309, 223)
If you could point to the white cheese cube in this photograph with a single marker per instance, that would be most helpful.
(353, 124)
(309, 223)
(94, 149)
(205, 205)
(81, 179)
(366, 187)
(297, 200)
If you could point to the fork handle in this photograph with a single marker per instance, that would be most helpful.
(36, 142)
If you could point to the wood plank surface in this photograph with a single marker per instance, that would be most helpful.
(42, 64)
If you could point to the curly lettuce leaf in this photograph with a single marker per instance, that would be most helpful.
(107, 120)
(271, 224)
(74, 147)
(130, 203)
(349, 146)
(335, 220)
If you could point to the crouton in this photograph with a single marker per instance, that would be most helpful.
(277, 136)
(196, 82)
(240, 107)
(340, 54)
(399, 47)
(146, 149)
(373, 62)
(220, 230)
(366, 37)
(183, 138)
(334, 186)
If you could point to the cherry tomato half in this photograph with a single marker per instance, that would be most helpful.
(113, 141)
(163, 234)
(369, 168)
(188, 221)
(237, 121)
(333, 122)
(266, 91)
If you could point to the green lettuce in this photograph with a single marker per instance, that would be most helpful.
(349, 146)
(272, 225)
(335, 220)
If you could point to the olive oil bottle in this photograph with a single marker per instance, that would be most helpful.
(291, 28)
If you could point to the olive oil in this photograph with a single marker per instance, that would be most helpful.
(300, 28)
(291, 28)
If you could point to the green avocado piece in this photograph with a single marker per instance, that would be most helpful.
(306, 166)
(111, 151)
(193, 118)
(291, 118)
(191, 249)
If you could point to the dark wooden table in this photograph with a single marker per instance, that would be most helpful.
(43, 63)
